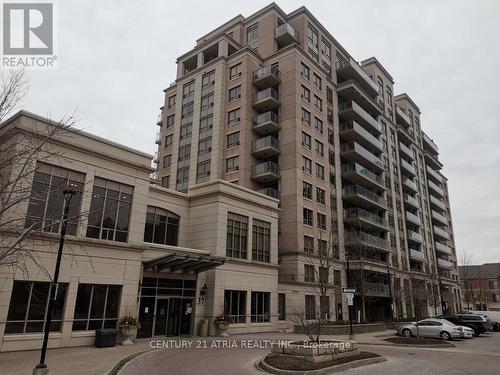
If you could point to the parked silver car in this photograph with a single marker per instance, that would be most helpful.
(435, 328)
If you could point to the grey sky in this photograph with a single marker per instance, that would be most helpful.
(116, 57)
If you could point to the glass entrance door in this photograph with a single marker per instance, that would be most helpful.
(162, 305)
(174, 313)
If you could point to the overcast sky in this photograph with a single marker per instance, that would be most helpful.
(116, 57)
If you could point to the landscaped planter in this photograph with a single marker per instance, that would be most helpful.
(129, 334)
(325, 350)
(335, 329)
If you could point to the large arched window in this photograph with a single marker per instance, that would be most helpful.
(161, 226)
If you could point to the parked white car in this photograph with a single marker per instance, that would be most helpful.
(434, 328)
(467, 332)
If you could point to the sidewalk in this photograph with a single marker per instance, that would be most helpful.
(89, 360)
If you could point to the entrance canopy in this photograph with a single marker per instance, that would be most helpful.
(184, 262)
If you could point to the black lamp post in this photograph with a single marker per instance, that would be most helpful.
(350, 307)
(391, 311)
(41, 368)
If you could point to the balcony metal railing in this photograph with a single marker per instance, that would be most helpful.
(356, 168)
(158, 138)
(266, 94)
(345, 126)
(361, 191)
(359, 213)
(266, 117)
(160, 119)
(266, 167)
(155, 157)
(271, 192)
(367, 239)
(356, 147)
(266, 71)
(266, 142)
(351, 105)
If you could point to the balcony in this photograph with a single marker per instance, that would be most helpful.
(270, 192)
(407, 168)
(437, 203)
(266, 147)
(355, 239)
(441, 220)
(159, 122)
(438, 232)
(351, 111)
(352, 131)
(357, 174)
(354, 152)
(432, 160)
(409, 184)
(265, 172)
(417, 255)
(351, 90)
(405, 135)
(266, 123)
(412, 218)
(362, 217)
(358, 195)
(405, 152)
(429, 144)
(433, 188)
(443, 263)
(350, 69)
(414, 236)
(266, 100)
(285, 34)
(402, 118)
(411, 201)
(431, 173)
(158, 138)
(156, 158)
(442, 248)
(376, 289)
(265, 77)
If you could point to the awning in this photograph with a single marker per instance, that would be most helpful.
(184, 262)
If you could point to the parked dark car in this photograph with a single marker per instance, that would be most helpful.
(476, 322)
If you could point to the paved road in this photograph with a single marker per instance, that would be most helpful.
(479, 356)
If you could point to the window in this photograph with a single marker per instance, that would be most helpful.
(206, 123)
(232, 164)
(169, 140)
(234, 93)
(170, 121)
(305, 93)
(309, 273)
(326, 51)
(308, 216)
(305, 71)
(167, 161)
(233, 116)
(207, 104)
(203, 169)
(324, 303)
(318, 125)
(281, 306)
(235, 71)
(321, 221)
(184, 152)
(310, 302)
(47, 202)
(318, 103)
(252, 36)
(318, 147)
(161, 226)
(187, 111)
(96, 307)
(306, 165)
(110, 210)
(312, 42)
(261, 241)
(323, 275)
(165, 181)
(205, 146)
(329, 95)
(171, 102)
(306, 117)
(235, 305)
(322, 248)
(307, 190)
(28, 307)
(308, 244)
(336, 277)
(208, 81)
(233, 139)
(188, 92)
(317, 81)
(320, 195)
(182, 175)
(260, 307)
(237, 232)
(306, 140)
(320, 171)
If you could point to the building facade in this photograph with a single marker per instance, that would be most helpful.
(274, 103)
(480, 286)
(132, 247)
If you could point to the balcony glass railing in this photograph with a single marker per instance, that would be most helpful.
(434, 174)
(439, 217)
(363, 132)
(437, 202)
(436, 188)
(412, 201)
(441, 233)
(443, 248)
(430, 142)
(368, 239)
(286, 29)
(413, 218)
(266, 167)
(356, 168)
(418, 255)
(412, 185)
(365, 193)
(353, 146)
(407, 166)
(406, 150)
(359, 71)
(266, 142)
(414, 236)
(359, 213)
(400, 113)
(271, 192)
(268, 93)
(266, 117)
(347, 106)
(266, 71)
(444, 263)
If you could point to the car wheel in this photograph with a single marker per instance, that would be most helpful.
(445, 336)
(406, 333)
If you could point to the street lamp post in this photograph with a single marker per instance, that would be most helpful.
(41, 368)
(351, 334)
(391, 310)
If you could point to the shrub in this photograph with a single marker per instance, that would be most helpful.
(129, 321)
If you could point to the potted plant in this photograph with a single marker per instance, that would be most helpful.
(222, 322)
(128, 328)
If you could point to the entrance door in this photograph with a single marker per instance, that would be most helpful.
(174, 314)
(146, 316)
(186, 314)
(161, 316)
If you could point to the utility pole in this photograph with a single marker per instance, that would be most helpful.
(41, 368)
(351, 334)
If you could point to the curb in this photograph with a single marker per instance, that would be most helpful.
(122, 362)
(263, 366)
(432, 346)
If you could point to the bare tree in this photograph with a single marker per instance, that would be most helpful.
(465, 261)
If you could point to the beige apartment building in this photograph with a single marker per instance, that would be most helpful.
(272, 102)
